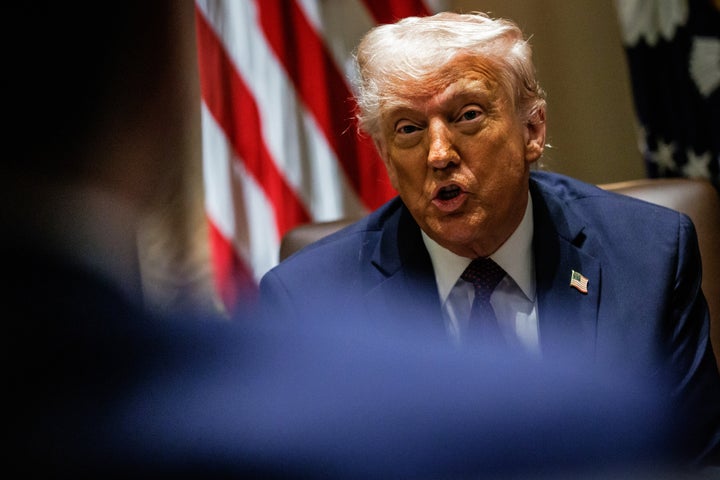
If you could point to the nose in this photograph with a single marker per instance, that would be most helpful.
(441, 151)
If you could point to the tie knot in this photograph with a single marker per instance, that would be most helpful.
(484, 274)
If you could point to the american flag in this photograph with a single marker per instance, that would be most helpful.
(578, 281)
(280, 146)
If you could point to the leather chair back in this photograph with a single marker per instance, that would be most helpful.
(303, 235)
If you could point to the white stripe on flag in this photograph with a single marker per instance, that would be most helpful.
(235, 203)
(341, 24)
(295, 142)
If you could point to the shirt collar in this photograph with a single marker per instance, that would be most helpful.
(515, 256)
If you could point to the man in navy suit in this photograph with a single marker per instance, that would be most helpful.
(453, 106)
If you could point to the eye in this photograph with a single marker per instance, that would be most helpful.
(469, 114)
(407, 133)
(406, 128)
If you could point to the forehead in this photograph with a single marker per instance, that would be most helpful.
(458, 79)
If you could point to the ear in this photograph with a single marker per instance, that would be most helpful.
(381, 148)
(535, 136)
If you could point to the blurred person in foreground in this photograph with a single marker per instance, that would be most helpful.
(453, 106)
(102, 387)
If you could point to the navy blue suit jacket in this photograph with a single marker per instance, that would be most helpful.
(644, 310)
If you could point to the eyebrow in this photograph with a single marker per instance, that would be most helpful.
(485, 97)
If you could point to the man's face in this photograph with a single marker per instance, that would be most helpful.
(460, 159)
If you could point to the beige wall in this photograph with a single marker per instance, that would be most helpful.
(581, 65)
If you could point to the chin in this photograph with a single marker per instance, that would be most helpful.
(453, 235)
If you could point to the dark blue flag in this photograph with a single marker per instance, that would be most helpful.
(673, 52)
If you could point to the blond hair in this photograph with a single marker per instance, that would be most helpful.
(416, 49)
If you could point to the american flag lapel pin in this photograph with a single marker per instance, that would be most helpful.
(578, 281)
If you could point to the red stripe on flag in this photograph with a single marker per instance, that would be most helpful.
(233, 279)
(229, 100)
(324, 91)
(389, 11)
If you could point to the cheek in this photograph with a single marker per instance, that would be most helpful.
(411, 185)
(386, 157)
(503, 152)
(405, 169)
(392, 174)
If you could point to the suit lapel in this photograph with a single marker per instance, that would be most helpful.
(405, 289)
(567, 317)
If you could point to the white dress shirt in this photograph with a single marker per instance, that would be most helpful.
(514, 298)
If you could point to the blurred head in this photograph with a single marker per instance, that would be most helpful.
(453, 106)
(93, 92)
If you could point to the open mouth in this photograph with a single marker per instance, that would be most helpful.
(449, 192)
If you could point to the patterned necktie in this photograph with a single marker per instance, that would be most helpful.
(485, 275)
